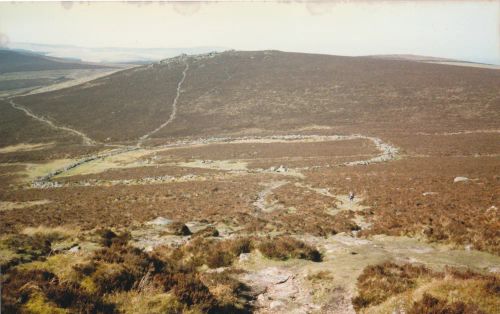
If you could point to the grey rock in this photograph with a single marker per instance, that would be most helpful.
(460, 179)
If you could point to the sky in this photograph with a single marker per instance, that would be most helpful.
(464, 30)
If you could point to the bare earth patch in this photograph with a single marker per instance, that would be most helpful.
(16, 205)
(22, 147)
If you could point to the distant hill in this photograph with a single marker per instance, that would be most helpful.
(271, 91)
(411, 57)
(417, 58)
(112, 54)
(17, 61)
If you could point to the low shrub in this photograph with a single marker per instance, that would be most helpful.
(118, 270)
(212, 252)
(240, 245)
(379, 282)
(219, 258)
(109, 237)
(39, 289)
(23, 248)
(191, 291)
(283, 248)
(113, 277)
(431, 305)
(30, 246)
(321, 275)
(478, 293)
(232, 295)
(209, 231)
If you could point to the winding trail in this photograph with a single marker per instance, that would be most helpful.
(45, 181)
(174, 107)
(262, 203)
(86, 140)
(460, 132)
(387, 153)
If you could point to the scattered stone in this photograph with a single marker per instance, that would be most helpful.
(281, 168)
(244, 257)
(217, 270)
(209, 231)
(58, 247)
(74, 249)
(429, 193)
(495, 270)
(262, 298)
(268, 276)
(460, 179)
(492, 208)
(275, 305)
(177, 228)
(159, 221)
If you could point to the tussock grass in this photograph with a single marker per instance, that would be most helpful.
(40, 291)
(320, 276)
(59, 264)
(432, 305)
(416, 289)
(52, 233)
(132, 302)
(117, 275)
(378, 282)
(22, 248)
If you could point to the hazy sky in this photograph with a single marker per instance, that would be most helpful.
(467, 30)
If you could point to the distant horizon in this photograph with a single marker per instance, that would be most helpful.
(458, 30)
(219, 49)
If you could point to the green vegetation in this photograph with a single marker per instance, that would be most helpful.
(117, 269)
(22, 248)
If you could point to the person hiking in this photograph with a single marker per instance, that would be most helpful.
(351, 196)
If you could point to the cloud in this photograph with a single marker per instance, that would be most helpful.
(186, 8)
(67, 4)
(320, 7)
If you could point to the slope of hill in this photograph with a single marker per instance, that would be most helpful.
(15, 61)
(245, 92)
(24, 72)
(436, 60)
(121, 106)
(255, 182)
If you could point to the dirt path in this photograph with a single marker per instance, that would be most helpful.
(174, 107)
(262, 203)
(290, 287)
(77, 79)
(387, 153)
(85, 139)
(460, 132)
(45, 180)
